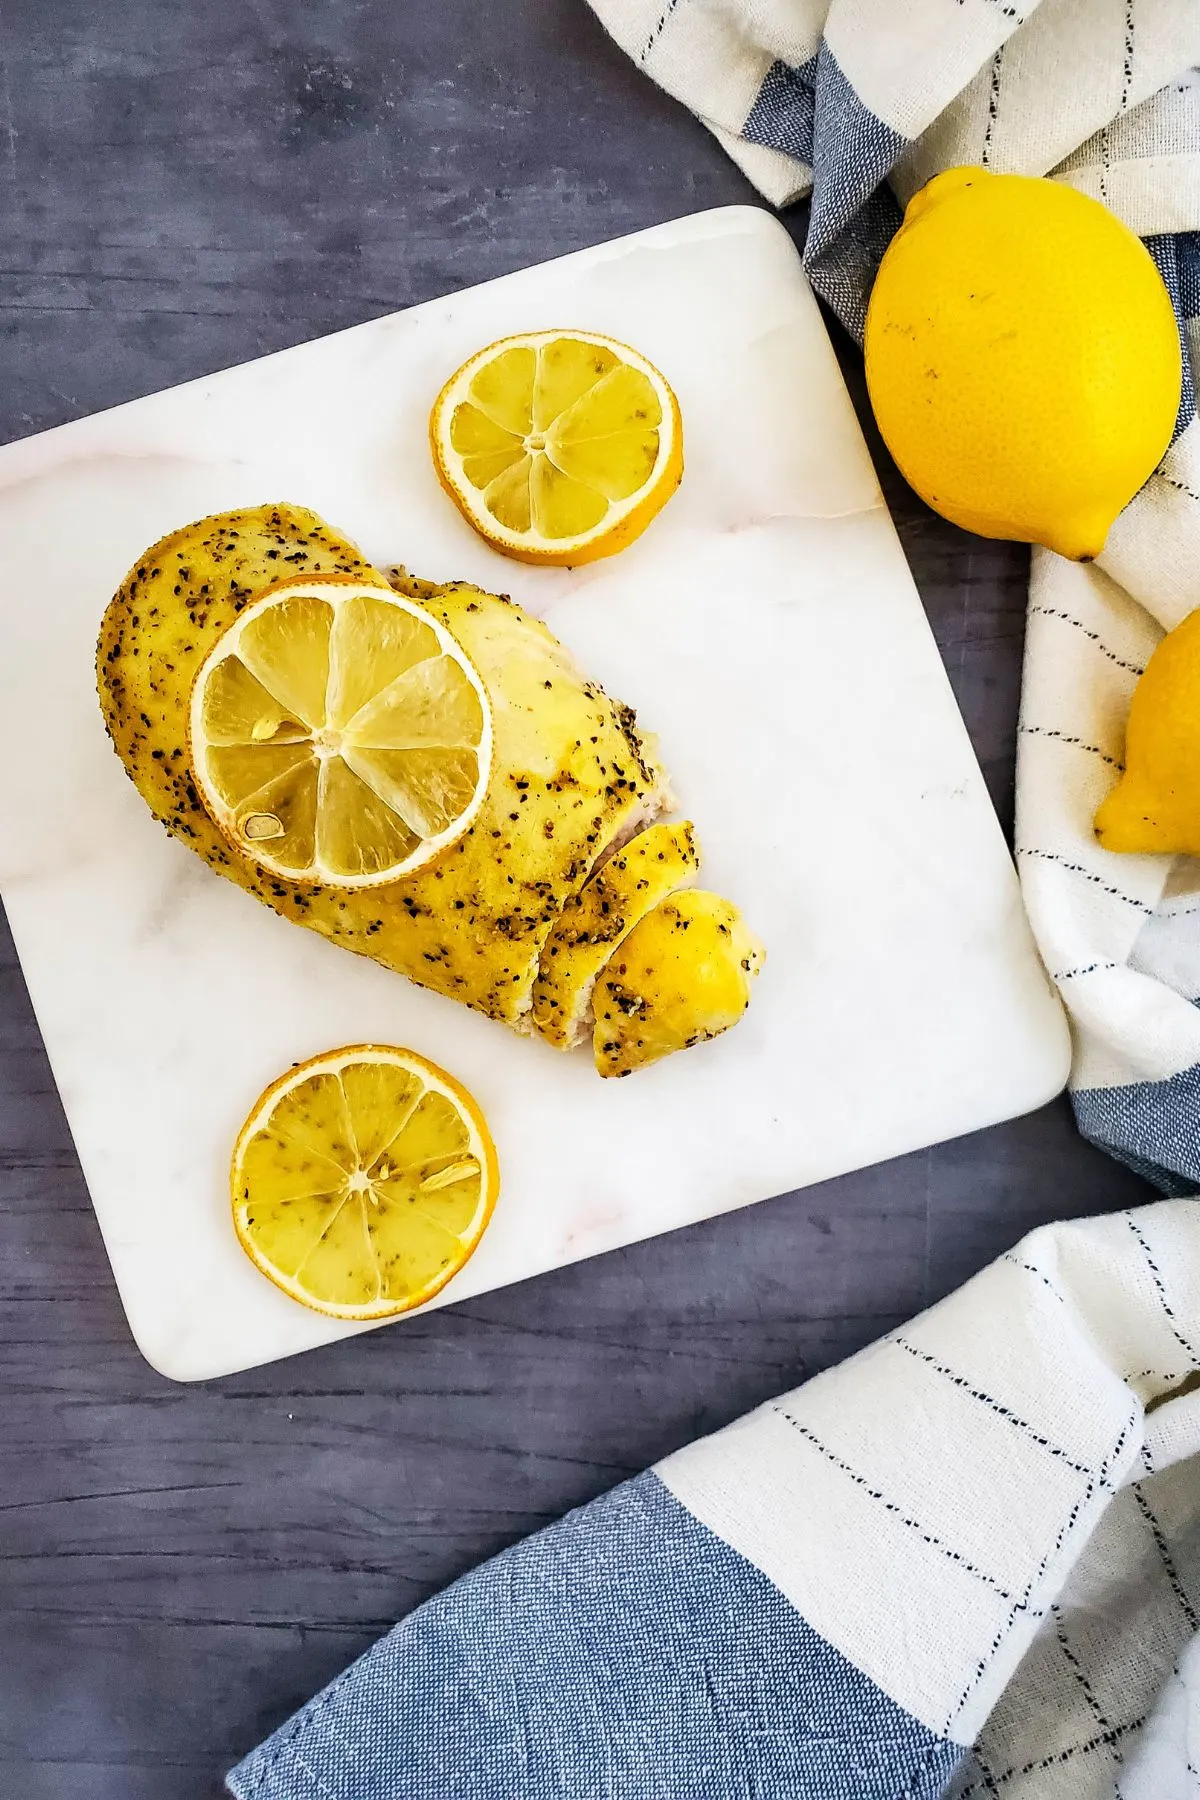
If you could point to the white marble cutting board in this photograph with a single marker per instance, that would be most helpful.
(766, 627)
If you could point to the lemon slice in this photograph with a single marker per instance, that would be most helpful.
(558, 447)
(339, 734)
(362, 1181)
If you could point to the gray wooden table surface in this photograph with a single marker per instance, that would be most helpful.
(187, 186)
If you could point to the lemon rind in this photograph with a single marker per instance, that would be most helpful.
(613, 529)
(436, 1080)
(325, 587)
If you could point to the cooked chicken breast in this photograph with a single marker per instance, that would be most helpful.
(572, 775)
(563, 865)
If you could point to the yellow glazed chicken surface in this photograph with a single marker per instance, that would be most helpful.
(683, 975)
(572, 778)
(593, 922)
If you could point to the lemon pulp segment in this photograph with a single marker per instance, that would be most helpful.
(362, 1181)
(558, 447)
(339, 734)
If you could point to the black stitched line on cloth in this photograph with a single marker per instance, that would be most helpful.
(1052, 856)
(1029, 1269)
(1022, 1605)
(989, 1780)
(1054, 612)
(1168, 1561)
(1060, 1632)
(1087, 969)
(1102, 1740)
(928, 1537)
(993, 106)
(1105, 163)
(1128, 54)
(1162, 1292)
(1005, 1412)
(1048, 731)
(1163, 1548)
(1127, 1429)
(650, 42)
(1182, 486)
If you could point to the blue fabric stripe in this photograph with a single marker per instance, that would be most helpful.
(784, 109)
(1187, 257)
(1178, 258)
(812, 112)
(852, 154)
(1151, 1126)
(844, 274)
(626, 1653)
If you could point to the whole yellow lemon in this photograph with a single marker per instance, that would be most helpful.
(1156, 804)
(1023, 358)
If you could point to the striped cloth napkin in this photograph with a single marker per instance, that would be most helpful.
(966, 1562)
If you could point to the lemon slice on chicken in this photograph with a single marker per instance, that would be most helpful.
(339, 735)
(558, 447)
(362, 1181)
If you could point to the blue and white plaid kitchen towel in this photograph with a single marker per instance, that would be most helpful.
(966, 1562)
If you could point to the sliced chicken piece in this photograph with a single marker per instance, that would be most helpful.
(655, 864)
(681, 976)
